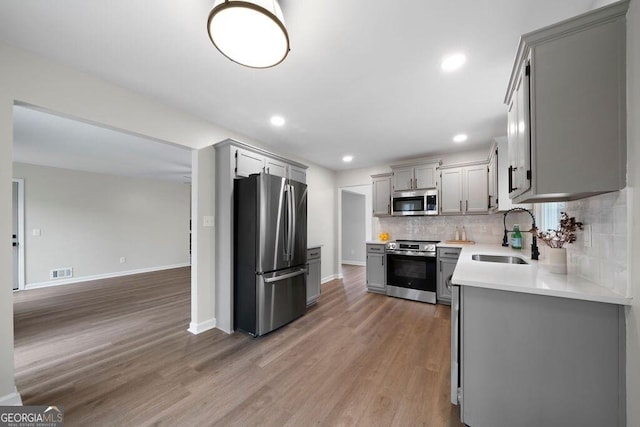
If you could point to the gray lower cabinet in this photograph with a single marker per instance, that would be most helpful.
(533, 360)
(447, 260)
(376, 276)
(314, 274)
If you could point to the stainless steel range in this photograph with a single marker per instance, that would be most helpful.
(411, 270)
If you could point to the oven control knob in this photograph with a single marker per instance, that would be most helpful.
(391, 245)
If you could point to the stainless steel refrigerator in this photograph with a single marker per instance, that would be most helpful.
(270, 252)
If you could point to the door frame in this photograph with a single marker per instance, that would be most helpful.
(21, 271)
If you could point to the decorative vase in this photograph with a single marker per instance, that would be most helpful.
(557, 260)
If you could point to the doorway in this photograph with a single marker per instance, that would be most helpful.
(17, 233)
(354, 224)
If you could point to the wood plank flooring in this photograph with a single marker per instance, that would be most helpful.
(117, 352)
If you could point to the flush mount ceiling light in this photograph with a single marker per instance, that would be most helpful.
(347, 159)
(453, 62)
(460, 138)
(251, 33)
(277, 121)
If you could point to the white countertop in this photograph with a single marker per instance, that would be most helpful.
(533, 278)
(314, 246)
(377, 242)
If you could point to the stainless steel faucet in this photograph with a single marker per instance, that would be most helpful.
(535, 253)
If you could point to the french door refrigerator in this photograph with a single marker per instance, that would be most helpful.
(270, 252)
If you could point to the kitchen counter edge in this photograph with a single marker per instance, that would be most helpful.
(532, 278)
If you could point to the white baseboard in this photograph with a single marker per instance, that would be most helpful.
(11, 399)
(198, 328)
(360, 263)
(102, 276)
(330, 278)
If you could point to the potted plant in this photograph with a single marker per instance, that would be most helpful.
(556, 239)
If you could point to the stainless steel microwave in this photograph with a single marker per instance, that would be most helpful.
(420, 202)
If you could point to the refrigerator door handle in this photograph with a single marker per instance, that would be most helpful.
(292, 233)
(286, 276)
(286, 230)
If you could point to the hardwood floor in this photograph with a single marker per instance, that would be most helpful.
(117, 352)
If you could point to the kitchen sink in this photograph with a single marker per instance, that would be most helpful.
(505, 259)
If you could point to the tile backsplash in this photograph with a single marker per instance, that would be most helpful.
(605, 262)
(479, 228)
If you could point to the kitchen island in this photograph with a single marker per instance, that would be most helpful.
(533, 348)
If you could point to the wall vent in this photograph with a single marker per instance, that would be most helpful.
(61, 273)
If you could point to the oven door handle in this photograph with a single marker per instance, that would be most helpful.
(420, 255)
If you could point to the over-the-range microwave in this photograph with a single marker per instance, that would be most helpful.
(417, 202)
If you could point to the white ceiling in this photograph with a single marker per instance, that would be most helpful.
(363, 77)
(45, 139)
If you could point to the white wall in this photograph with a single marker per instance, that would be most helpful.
(322, 217)
(353, 224)
(89, 220)
(633, 212)
(203, 289)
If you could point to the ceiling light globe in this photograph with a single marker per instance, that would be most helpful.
(251, 33)
(347, 159)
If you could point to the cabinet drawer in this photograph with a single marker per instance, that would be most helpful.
(375, 248)
(452, 253)
(313, 253)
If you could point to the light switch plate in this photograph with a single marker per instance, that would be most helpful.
(208, 221)
(37, 232)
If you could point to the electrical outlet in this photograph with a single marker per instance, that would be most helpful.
(586, 236)
(123, 260)
(207, 221)
(37, 232)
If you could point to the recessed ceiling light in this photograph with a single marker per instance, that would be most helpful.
(347, 159)
(453, 62)
(460, 138)
(277, 121)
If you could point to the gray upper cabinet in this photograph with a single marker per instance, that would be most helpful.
(250, 161)
(464, 189)
(381, 194)
(276, 167)
(567, 109)
(415, 177)
(493, 179)
(297, 174)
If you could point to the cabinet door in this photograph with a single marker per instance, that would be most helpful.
(445, 272)
(493, 182)
(451, 191)
(297, 174)
(425, 176)
(475, 187)
(403, 179)
(248, 162)
(375, 272)
(276, 167)
(382, 196)
(521, 136)
(313, 281)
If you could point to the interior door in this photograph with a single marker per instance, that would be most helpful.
(14, 235)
